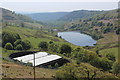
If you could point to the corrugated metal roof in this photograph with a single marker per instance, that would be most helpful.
(40, 58)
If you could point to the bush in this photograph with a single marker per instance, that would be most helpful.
(19, 47)
(65, 49)
(19, 41)
(110, 56)
(102, 63)
(86, 57)
(107, 29)
(50, 42)
(24, 43)
(8, 46)
(116, 68)
(118, 31)
(54, 47)
(8, 37)
(43, 45)
(83, 71)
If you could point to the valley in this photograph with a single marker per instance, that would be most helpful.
(34, 32)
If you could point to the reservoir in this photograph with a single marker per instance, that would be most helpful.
(77, 38)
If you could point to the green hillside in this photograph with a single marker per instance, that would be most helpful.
(98, 25)
(79, 55)
(46, 17)
(14, 19)
(8, 15)
(89, 62)
(79, 14)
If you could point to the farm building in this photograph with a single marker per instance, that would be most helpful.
(41, 59)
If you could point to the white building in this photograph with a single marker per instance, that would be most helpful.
(40, 58)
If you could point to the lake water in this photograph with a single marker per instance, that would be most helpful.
(77, 38)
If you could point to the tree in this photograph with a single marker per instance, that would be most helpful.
(9, 37)
(100, 24)
(19, 47)
(67, 72)
(43, 45)
(97, 51)
(50, 42)
(24, 43)
(107, 29)
(54, 47)
(102, 63)
(110, 56)
(8, 46)
(116, 68)
(83, 71)
(19, 41)
(22, 25)
(118, 31)
(65, 49)
(109, 24)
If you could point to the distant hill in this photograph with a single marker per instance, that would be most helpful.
(50, 16)
(63, 16)
(8, 16)
(14, 19)
(79, 14)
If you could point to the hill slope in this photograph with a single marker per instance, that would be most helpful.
(98, 25)
(79, 14)
(11, 18)
(47, 16)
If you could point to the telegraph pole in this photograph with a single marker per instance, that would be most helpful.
(34, 65)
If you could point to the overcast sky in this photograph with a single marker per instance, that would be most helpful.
(58, 6)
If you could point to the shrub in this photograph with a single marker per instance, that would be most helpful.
(83, 71)
(8, 37)
(118, 31)
(116, 68)
(8, 46)
(19, 41)
(65, 49)
(43, 45)
(19, 47)
(24, 43)
(54, 47)
(107, 29)
(50, 42)
(102, 63)
(110, 56)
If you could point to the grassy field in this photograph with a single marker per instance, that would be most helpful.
(34, 36)
(12, 70)
(109, 44)
(113, 51)
(108, 38)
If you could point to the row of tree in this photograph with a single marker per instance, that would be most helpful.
(13, 41)
(81, 55)
(55, 47)
(82, 71)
